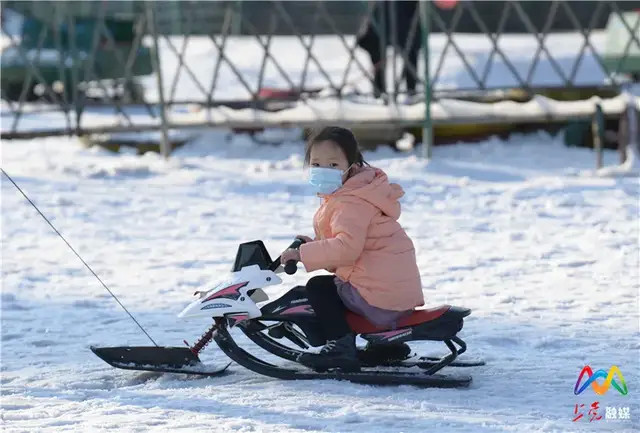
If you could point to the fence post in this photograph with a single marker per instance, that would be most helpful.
(631, 150)
(427, 127)
(623, 133)
(597, 132)
(165, 145)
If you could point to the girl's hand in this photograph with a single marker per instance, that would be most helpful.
(290, 254)
(304, 238)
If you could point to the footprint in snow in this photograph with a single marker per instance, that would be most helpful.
(510, 300)
(576, 264)
(43, 343)
(14, 307)
(502, 341)
(555, 343)
(86, 304)
(7, 297)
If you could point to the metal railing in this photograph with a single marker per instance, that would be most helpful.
(79, 51)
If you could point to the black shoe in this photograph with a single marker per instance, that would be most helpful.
(384, 353)
(340, 353)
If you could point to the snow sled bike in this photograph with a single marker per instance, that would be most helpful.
(233, 302)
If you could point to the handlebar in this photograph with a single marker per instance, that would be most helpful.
(291, 266)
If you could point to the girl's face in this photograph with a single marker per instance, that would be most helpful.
(328, 154)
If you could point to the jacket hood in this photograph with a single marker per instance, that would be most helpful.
(372, 184)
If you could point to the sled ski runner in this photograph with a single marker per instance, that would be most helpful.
(111, 355)
(233, 302)
(178, 360)
(155, 358)
(365, 376)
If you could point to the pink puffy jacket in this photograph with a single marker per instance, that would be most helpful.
(359, 238)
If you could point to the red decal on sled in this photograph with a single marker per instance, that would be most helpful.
(299, 309)
(237, 318)
(230, 290)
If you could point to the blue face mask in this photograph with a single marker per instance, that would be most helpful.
(325, 180)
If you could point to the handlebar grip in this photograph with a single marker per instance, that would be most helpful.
(291, 266)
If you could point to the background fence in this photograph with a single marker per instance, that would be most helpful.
(98, 66)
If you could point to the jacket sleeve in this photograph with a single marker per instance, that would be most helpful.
(349, 224)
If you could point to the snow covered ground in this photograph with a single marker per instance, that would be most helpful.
(545, 253)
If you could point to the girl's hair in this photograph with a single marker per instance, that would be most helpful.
(343, 137)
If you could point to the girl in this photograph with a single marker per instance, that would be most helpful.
(359, 241)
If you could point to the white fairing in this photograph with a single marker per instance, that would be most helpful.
(255, 278)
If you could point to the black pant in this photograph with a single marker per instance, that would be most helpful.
(371, 43)
(323, 297)
(374, 37)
